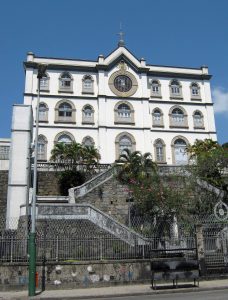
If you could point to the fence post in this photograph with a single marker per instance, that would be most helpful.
(57, 248)
(11, 249)
(200, 248)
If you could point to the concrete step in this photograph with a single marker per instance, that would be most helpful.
(52, 199)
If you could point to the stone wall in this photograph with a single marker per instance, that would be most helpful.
(48, 183)
(77, 274)
(3, 194)
(110, 197)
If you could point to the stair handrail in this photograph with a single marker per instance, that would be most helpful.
(105, 221)
(85, 188)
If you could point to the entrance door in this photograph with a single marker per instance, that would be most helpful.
(181, 156)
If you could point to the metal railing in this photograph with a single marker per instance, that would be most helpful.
(59, 166)
(89, 185)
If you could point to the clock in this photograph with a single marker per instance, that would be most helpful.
(123, 83)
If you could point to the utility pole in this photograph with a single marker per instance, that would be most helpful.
(32, 235)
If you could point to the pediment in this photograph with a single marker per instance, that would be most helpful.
(123, 54)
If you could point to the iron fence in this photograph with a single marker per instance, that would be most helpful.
(82, 240)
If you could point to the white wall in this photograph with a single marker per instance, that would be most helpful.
(104, 131)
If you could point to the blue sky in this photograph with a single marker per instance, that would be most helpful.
(178, 32)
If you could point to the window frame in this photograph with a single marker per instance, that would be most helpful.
(195, 96)
(86, 90)
(124, 120)
(88, 137)
(60, 119)
(195, 125)
(44, 88)
(173, 124)
(4, 154)
(156, 143)
(56, 140)
(173, 147)
(175, 95)
(66, 89)
(45, 142)
(155, 122)
(155, 94)
(85, 119)
(117, 142)
(45, 118)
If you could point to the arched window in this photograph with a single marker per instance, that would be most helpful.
(195, 91)
(178, 117)
(65, 138)
(88, 141)
(42, 148)
(180, 156)
(198, 119)
(65, 112)
(124, 141)
(124, 113)
(155, 88)
(43, 112)
(65, 82)
(88, 114)
(87, 84)
(44, 82)
(157, 117)
(159, 151)
(175, 89)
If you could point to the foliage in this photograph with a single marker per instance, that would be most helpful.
(74, 153)
(69, 179)
(210, 160)
(161, 197)
(225, 145)
(135, 165)
(202, 146)
(76, 161)
(153, 194)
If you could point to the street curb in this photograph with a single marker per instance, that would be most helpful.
(161, 292)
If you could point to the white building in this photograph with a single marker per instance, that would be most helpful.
(120, 101)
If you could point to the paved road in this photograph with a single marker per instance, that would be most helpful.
(207, 295)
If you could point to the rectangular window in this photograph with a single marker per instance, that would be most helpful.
(44, 83)
(4, 152)
(175, 90)
(159, 153)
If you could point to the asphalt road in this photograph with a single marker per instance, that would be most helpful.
(207, 295)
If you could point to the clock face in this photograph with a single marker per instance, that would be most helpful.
(122, 83)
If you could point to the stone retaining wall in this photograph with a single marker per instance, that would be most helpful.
(3, 194)
(77, 274)
(110, 197)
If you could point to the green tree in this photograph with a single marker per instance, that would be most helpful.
(209, 162)
(76, 160)
(135, 165)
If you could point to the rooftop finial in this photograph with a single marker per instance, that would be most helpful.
(121, 42)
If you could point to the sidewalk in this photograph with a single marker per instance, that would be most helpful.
(113, 291)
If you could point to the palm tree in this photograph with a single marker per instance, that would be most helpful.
(135, 165)
(74, 154)
(76, 160)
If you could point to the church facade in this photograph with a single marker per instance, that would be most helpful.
(119, 102)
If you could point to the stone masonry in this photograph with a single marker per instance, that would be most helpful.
(110, 197)
(3, 195)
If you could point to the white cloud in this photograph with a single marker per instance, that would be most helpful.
(220, 97)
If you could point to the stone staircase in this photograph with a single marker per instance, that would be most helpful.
(88, 186)
(82, 190)
(92, 214)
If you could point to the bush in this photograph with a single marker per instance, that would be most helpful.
(69, 179)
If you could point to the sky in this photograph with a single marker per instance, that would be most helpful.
(187, 33)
